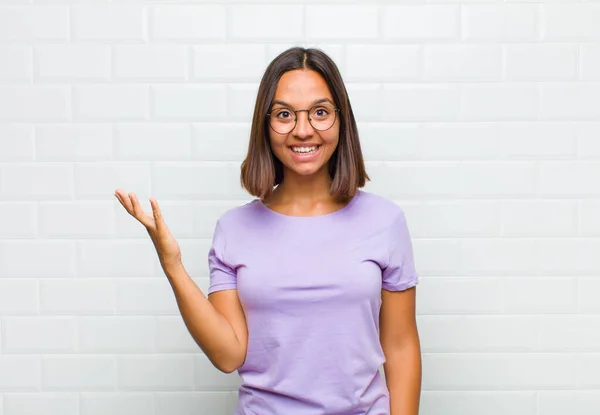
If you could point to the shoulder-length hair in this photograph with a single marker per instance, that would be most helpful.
(261, 170)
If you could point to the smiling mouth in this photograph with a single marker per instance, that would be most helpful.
(305, 150)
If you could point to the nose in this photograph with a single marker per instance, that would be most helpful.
(303, 129)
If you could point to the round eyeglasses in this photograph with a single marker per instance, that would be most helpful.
(321, 117)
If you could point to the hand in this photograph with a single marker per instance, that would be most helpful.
(167, 248)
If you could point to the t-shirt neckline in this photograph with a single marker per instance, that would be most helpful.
(325, 215)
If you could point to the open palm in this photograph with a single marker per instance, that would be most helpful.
(167, 248)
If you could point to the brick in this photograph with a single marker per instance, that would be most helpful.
(262, 22)
(207, 377)
(154, 141)
(494, 402)
(342, 22)
(72, 63)
(462, 62)
(127, 258)
(568, 333)
(186, 403)
(37, 181)
(526, 140)
(19, 373)
(484, 102)
(69, 296)
(188, 22)
(40, 335)
(411, 179)
(18, 220)
(108, 22)
(560, 402)
(366, 101)
(589, 221)
(34, 103)
(500, 22)
(587, 140)
(436, 257)
(589, 61)
(587, 367)
(41, 403)
(587, 295)
(17, 63)
(497, 179)
(421, 22)
(156, 373)
(197, 181)
(120, 334)
(72, 219)
(16, 142)
(241, 99)
(568, 178)
(189, 102)
(447, 296)
(541, 62)
(93, 180)
(570, 101)
(427, 102)
(79, 373)
(540, 295)
(151, 62)
(543, 218)
(498, 371)
(572, 256)
(73, 142)
(463, 218)
(35, 259)
(172, 336)
(382, 62)
(34, 23)
(571, 22)
(223, 62)
(158, 298)
(498, 256)
(213, 141)
(18, 297)
(472, 334)
(389, 141)
(114, 102)
(117, 403)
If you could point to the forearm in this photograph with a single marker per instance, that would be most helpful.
(208, 327)
(403, 377)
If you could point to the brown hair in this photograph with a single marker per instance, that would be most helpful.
(261, 170)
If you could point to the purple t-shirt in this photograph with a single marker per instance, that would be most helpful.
(311, 291)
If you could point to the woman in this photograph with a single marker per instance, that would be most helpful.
(312, 284)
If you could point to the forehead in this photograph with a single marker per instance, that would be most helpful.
(301, 87)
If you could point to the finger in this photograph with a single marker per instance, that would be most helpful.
(158, 217)
(137, 207)
(125, 202)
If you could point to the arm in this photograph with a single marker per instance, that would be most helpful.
(401, 347)
(217, 323)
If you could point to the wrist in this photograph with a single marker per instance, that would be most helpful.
(174, 269)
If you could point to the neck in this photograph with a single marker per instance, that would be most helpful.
(314, 187)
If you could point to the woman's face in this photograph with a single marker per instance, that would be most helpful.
(304, 150)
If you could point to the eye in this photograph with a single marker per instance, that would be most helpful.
(320, 112)
(282, 113)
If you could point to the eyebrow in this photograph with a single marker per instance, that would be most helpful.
(315, 102)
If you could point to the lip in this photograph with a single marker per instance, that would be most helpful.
(305, 157)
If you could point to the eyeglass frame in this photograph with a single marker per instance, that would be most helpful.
(335, 111)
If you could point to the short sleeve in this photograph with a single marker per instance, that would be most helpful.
(222, 275)
(399, 273)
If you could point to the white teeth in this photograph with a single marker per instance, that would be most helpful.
(304, 149)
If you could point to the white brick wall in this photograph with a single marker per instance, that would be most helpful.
(481, 118)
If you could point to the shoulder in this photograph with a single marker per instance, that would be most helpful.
(380, 207)
(237, 216)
